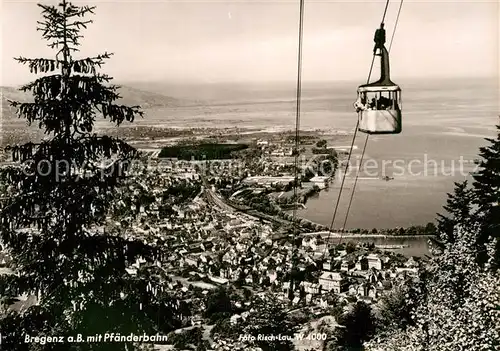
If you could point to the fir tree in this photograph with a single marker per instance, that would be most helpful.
(477, 204)
(486, 188)
(56, 203)
(458, 208)
(459, 304)
(358, 325)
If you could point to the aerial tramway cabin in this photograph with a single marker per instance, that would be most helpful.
(379, 103)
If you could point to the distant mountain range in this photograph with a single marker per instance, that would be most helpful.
(130, 96)
(148, 99)
(8, 113)
(14, 129)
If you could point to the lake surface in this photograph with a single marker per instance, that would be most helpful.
(442, 132)
(443, 121)
(416, 245)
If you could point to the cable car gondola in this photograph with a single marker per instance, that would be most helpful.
(379, 103)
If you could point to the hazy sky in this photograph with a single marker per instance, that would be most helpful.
(257, 40)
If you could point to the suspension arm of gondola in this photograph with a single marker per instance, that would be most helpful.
(385, 11)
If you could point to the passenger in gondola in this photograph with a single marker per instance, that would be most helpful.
(384, 103)
(389, 104)
(360, 104)
(381, 103)
(373, 104)
(379, 38)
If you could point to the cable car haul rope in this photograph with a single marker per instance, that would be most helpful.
(296, 151)
(380, 115)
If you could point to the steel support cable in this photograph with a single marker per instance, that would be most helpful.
(297, 142)
(395, 25)
(298, 105)
(366, 140)
(354, 187)
(350, 151)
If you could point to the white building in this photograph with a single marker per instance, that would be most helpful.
(311, 288)
(374, 262)
(332, 281)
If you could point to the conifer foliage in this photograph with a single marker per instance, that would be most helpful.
(458, 208)
(459, 301)
(53, 213)
(486, 188)
(477, 204)
(459, 308)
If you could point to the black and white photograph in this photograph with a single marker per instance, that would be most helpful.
(271, 175)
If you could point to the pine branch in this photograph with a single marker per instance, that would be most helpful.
(73, 11)
(76, 88)
(120, 113)
(50, 12)
(39, 65)
(58, 27)
(91, 193)
(47, 111)
(90, 64)
(79, 24)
